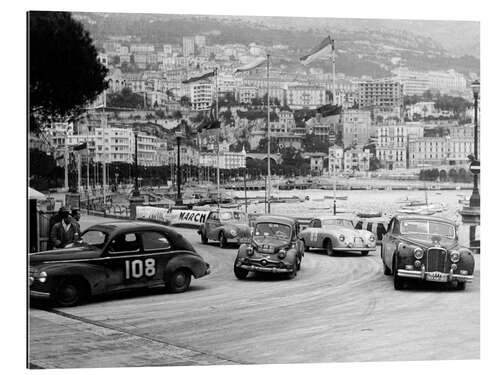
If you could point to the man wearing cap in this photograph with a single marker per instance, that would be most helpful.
(65, 231)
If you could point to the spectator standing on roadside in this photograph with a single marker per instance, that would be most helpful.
(75, 214)
(64, 232)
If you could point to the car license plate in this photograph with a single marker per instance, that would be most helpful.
(436, 276)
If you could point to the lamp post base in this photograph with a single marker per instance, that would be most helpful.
(134, 202)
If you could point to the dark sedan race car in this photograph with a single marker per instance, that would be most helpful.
(274, 248)
(112, 257)
(225, 226)
(425, 248)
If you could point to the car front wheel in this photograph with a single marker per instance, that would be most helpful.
(222, 240)
(179, 281)
(398, 280)
(69, 293)
(240, 273)
(293, 273)
(329, 247)
(364, 253)
(460, 285)
(204, 239)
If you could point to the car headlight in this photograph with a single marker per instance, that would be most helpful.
(418, 253)
(233, 232)
(282, 253)
(342, 238)
(372, 238)
(42, 277)
(455, 256)
(250, 251)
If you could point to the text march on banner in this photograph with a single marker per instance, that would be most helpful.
(200, 77)
(251, 65)
(325, 48)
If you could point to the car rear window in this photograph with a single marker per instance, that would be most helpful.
(152, 241)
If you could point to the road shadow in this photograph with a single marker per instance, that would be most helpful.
(135, 294)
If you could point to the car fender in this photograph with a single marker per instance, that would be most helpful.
(194, 263)
(242, 251)
(404, 254)
(95, 275)
(291, 256)
(466, 261)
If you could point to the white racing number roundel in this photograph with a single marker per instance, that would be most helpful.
(138, 268)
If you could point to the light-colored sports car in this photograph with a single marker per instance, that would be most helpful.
(335, 233)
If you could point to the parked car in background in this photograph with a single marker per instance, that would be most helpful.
(425, 248)
(336, 233)
(115, 256)
(274, 248)
(225, 226)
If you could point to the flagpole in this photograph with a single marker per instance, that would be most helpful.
(334, 101)
(268, 145)
(218, 133)
(79, 163)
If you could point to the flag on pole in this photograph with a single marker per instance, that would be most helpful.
(251, 65)
(199, 78)
(323, 49)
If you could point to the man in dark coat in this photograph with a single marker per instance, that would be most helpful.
(64, 232)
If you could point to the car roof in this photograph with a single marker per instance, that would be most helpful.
(117, 227)
(276, 219)
(425, 217)
(332, 217)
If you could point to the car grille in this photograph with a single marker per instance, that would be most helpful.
(436, 258)
(266, 249)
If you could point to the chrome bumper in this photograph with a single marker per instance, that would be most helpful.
(355, 248)
(36, 294)
(251, 267)
(434, 276)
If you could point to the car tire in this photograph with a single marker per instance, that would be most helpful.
(387, 270)
(398, 280)
(240, 273)
(204, 239)
(179, 281)
(364, 253)
(69, 293)
(293, 274)
(460, 285)
(329, 247)
(306, 248)
(222, 240)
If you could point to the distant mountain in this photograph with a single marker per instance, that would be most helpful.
(364, 47)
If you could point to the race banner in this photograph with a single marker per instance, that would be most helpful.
(188, 218)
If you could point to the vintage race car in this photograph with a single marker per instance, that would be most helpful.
(274, 247)
(115, 256)
(425, 248)
(335, 233)
(225, 226)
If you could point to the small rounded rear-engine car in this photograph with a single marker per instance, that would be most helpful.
(274, 248)
(225, 226)
(425, 248)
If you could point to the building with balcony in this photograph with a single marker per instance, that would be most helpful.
(335, 159)
(304, 96)
(356, 127)
(391, 148)
(201, 96)
(356, 159)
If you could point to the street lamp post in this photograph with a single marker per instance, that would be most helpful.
(475, 199)
(178, 136)
(136, 192)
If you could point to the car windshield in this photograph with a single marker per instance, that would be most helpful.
(95, 238)
(337, 222)
(427, 227)
(280, 231)
(235, 216)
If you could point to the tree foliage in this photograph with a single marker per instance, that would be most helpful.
(125, 99)
(64, 73)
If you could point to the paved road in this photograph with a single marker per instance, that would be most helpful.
(338, 308)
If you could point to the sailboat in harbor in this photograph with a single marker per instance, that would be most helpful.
(422, 207)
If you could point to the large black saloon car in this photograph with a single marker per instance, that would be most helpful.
(274, 248)
(115, 256)
(425, 248)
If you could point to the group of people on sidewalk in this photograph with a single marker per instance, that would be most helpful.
(64, 228)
